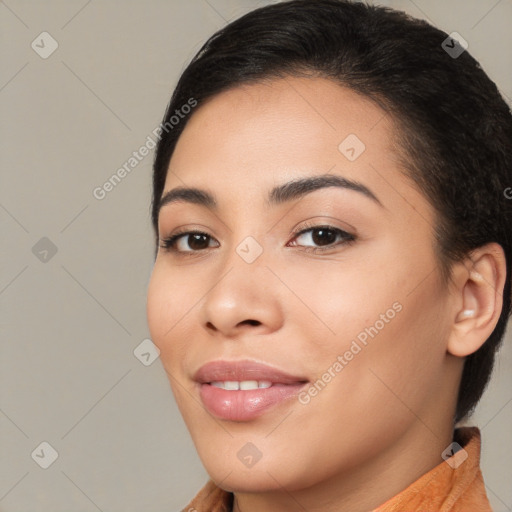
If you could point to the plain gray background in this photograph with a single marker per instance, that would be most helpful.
(70, 321)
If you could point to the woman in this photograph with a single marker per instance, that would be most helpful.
(332, 276)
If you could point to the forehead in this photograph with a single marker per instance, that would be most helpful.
(256, 136)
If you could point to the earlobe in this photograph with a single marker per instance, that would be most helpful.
(480, 300)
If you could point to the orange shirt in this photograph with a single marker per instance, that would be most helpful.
(455, 485)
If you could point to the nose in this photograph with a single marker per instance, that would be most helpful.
(245, 298)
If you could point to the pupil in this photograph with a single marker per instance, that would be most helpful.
(323, 236)
(197, 241)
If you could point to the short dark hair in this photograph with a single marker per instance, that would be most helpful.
(453, 126)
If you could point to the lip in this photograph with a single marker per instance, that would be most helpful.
(243, 370)
(245, 405)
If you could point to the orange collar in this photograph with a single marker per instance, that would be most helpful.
(455, 485)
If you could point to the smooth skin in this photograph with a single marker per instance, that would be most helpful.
(386, 417)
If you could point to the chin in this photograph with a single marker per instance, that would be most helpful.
(231, 468)
(266, 478)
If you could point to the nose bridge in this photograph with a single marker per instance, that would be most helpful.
(247, 240)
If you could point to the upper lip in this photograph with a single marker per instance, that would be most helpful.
(218, 371)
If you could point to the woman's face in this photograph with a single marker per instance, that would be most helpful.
(333, 286)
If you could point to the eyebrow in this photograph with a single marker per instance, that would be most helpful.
(280, 194)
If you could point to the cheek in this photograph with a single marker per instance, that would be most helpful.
(157, 302)
(166, 309)
(393, 348)
(335, 300)
(166, 315)
(383, 316)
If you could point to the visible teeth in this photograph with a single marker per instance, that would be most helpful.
(232, 385)
(249, 384)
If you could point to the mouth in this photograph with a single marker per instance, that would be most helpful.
(245, 385)
(244, 390)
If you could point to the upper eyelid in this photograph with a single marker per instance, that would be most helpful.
(316, 225)
(306, 225)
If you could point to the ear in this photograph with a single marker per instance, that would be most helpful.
(479, 283)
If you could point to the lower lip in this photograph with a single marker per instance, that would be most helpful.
(245, 405)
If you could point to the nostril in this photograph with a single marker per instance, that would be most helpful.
(251, 322)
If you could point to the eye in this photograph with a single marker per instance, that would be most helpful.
(322, 238)
(312, 238)
(188, 241)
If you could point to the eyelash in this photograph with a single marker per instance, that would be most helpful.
(169, 244)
